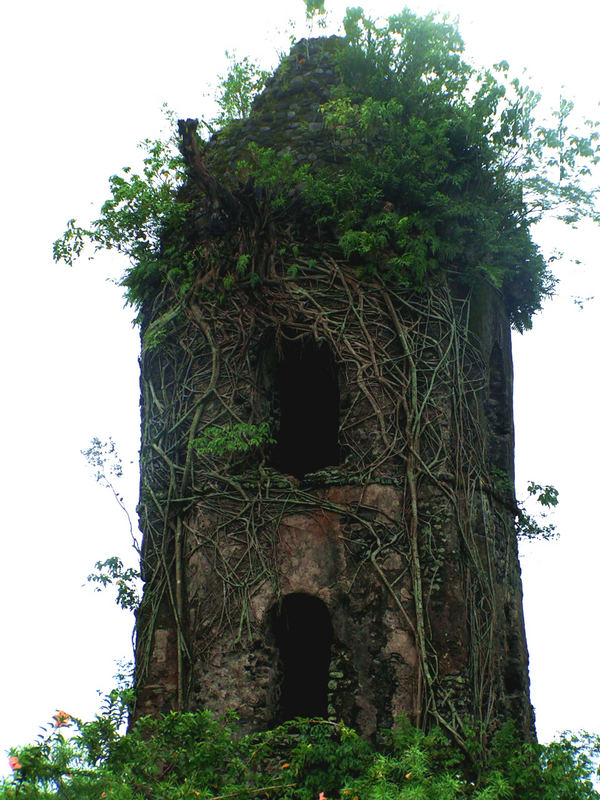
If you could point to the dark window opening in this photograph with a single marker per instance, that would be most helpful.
(303, 634)
(307, 390)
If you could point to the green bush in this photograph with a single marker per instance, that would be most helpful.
(185, 756)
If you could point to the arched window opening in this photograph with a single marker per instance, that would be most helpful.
(307, 390)
(303, 634)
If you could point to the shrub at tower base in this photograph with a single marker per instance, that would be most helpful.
(326, 289)
(185, 756)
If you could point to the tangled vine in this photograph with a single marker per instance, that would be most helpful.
(418, 375)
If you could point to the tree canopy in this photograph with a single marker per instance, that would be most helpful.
(446, 170)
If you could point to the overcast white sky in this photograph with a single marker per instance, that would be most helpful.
(82, 84)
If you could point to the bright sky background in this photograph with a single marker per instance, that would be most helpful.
(82, 84)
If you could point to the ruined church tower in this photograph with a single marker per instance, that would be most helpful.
(327, 460)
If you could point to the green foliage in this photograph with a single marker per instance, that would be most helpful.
(315, 10)
(239, 438)
(528, 526)
(446, 166)
(141, 209)
(546, 496)
(445, 169)
(242, 263)
(562, 770)
(111, 572)
(461, 170)
(274, 171)
(314, 7)
(238, 88)
(194, 755)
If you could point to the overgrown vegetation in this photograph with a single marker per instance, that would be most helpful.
(426, 180)
(445, 171)
(437, 175)
(535, 527)
(194, 755)
(139, 208)
(237, 89)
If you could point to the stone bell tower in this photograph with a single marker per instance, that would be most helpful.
(327, 463)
